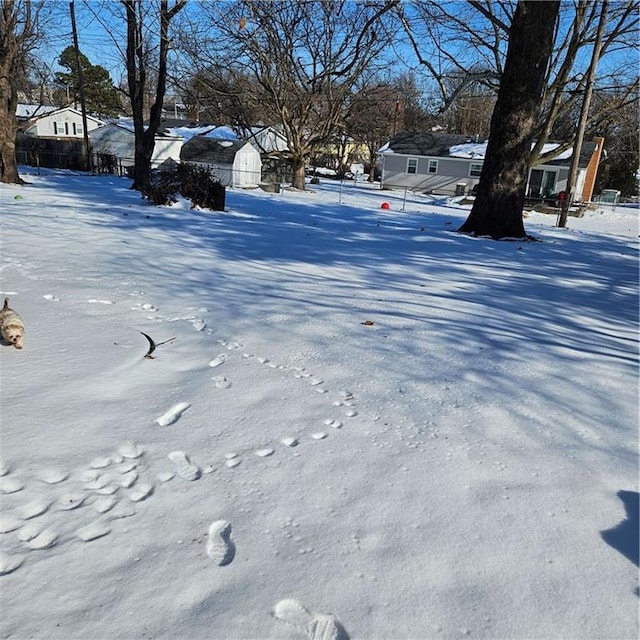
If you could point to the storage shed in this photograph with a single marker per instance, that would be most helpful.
(235, 163)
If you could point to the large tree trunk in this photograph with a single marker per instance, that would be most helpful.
(137, 77)
(8, 130)
(497, 209)
(11, 45)
(298, 173)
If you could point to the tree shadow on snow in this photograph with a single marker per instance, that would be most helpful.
(625, 536)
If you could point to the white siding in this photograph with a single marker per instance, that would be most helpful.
(247, 167)
(64, 123)
(117, 141)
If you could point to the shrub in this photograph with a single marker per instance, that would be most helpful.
(196, 183)
(200, 185)
(163, 188)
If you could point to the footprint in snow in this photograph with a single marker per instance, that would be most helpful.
(71, 501)
(9, 563)
(93, 531)
(100, 463)
(34, 508)
(130, 450)
(220, 548)
(198, 324)
(141, 492)
(218, 360)
(184, 467)
(173, 414)
(29, 531)
(221, 382)
(51, 475)
(9, 522)
(97, 485)
(316, 626)
(10, 485)
(102, 505)
(44, 540)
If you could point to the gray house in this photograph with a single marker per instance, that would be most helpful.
(235, 163)
(447, 163)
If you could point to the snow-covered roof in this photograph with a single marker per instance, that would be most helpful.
(187, 132)
(127, 125)
(206, 131)
(469, 150)
(222, 133)
(32, 110)
(478, 150)
(442, 145)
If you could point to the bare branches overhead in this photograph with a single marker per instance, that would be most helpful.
(302, 59)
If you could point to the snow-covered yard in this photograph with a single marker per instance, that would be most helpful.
(355, 411)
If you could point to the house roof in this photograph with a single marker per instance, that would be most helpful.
(188, 131)
(211, 150)
(62, 110)
(414, 143)
(126, 124)
(26, 111)
(451, 145)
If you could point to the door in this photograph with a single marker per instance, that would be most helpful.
(535, 183)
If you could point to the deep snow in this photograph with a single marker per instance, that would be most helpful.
(356, 411)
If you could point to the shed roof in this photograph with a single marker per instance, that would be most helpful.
(211, 150)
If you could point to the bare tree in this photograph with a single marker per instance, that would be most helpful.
(304, 58)
(372, 112)
(470, 112)
(622, 132)
(378, 110)
(463, 45)
(18, 34)
(497, 209)
(138, 76)
(216, 95)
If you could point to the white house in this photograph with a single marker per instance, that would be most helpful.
(448, 163)
(114, 145)
(61, 123)
(235, 162)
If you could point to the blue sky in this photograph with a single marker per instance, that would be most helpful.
(101, 34)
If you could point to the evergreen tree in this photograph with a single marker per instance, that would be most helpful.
(101, 96)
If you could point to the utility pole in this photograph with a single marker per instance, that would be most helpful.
(584, 116)
(395, 115)
(83, 104)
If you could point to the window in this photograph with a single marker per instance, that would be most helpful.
(77, 129)
(433, 166)
(475, 169)
(412, 165)
(58, 128)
